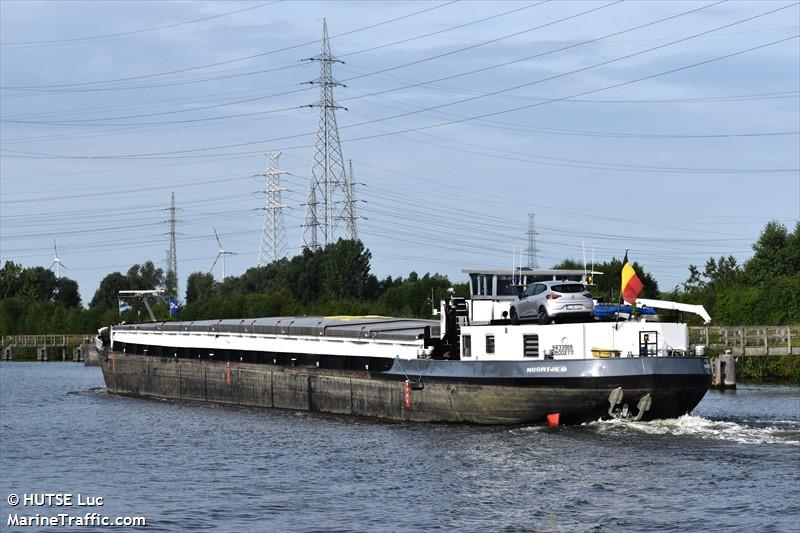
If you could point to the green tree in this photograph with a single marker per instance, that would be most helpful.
(346, 269)
(37, 283)
(10, 279)
(302, 275)
(67, 293)
(199, 287)
(765, 290)
(716, 271)
(145, 277)
(171, 284)
(105, 297)
(777, 253)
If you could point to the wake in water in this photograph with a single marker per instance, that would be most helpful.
(778, 432)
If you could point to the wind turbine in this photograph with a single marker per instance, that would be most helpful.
(221, 253)
(57, 262)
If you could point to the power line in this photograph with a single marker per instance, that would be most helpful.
(134, 32)
(77, 122)
(492, 93)
(367, 95)
(235, 60)
(445, 30)
(501, 38)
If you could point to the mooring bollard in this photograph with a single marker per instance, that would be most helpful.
(729, 378)
(724, 371)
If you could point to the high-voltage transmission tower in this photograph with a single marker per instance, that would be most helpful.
(532, 249)
(331, 200)
(172, 254)
(273, 238)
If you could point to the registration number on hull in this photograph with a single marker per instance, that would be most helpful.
(563, 349)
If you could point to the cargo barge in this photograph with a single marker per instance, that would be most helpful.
(470, 366)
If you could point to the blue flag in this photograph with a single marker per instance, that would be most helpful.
(124, 306)
(174, 306)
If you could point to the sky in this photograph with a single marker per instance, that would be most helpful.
(667, 128)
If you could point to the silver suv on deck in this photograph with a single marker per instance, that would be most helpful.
(551, 300)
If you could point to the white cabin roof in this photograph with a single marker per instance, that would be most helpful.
(530, 271)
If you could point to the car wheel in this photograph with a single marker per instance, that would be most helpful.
(544, 318)
(514, 317)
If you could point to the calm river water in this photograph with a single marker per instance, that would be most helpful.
(734, 465)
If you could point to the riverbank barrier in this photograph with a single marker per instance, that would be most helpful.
(77, 348)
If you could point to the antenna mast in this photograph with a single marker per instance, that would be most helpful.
(273, 237)
(328, 176)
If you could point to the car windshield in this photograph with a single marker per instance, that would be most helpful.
(568, 287)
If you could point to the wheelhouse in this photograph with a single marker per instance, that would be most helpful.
(492, 290)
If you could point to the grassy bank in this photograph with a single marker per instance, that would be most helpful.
(784, 369)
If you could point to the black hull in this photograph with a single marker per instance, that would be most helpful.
(438, 391)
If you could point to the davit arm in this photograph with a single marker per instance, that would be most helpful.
(698, 310)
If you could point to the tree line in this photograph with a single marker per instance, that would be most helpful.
(334, 280)
(764, 290)
(337, 280)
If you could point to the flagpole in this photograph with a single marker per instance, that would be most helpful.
(619, 299)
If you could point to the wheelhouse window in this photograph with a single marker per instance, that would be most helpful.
(466, 342)
(489, 343)
(481, 284)
(505, 286)
(530, 345)
(474, 281)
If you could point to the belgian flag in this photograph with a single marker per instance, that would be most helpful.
(631, 284)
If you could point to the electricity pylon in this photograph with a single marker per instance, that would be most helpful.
(532, 249)
(273, 237)
(330, 195)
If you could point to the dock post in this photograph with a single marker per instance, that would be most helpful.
(8, 353)
(41, 354)
(729, 378)
(789, 340)
(723, 371)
